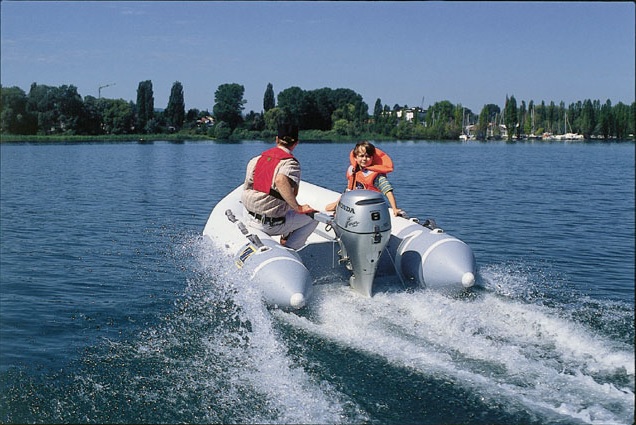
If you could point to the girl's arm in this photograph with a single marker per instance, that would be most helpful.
(382, 183)
(391, 198)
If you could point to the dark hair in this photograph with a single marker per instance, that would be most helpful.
(366, 146)
(288, 134)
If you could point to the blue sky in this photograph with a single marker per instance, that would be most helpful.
(471, 53)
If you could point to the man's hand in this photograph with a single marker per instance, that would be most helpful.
(305, 209)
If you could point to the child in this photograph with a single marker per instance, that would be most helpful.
(368, 169)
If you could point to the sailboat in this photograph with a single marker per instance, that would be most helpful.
(532, 135)
(568, 135)
(463, 137)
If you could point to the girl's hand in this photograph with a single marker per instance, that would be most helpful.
(332, 206)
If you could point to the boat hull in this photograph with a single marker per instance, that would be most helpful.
(421, 256)
(278, 272)
(431, 258)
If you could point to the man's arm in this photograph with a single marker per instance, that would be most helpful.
(288, 191)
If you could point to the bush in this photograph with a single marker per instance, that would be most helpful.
(222, 131)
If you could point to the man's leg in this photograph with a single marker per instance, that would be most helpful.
(297, 229)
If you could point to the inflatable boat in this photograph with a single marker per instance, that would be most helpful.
(363, 241)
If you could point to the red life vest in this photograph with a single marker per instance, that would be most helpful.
(265, 167)
(380, 164)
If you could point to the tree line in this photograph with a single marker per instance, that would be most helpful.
(322, 114)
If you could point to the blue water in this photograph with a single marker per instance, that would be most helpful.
(114, 308)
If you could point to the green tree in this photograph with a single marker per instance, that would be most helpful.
(175, 111)
(269, 101)
(521, 119)
(192, 115)
(631, 127)
(440, 118)
(228, 104)
(253, 122)
(291, 100)
(510, 116)
(482, 124)
(273, 117)
(222, 130)
(377, 108)
(14, 117)
(145, 105)
(459, 119)
(588, 119)
(621, 120)
(342, 127)
(58, 109)
(606, 120)
(41, 103)
(552, 117)
(118, 116)
(318, 107)
(528, 124)
(91, 120)
(404, 130)
(377, 116)
(71, 107)
(343, 97)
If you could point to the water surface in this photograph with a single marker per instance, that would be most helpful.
(114, 308)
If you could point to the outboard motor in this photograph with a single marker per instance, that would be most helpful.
(363, 227)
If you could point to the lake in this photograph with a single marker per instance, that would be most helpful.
(114, 308)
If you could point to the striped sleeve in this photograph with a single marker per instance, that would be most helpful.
(383, 184)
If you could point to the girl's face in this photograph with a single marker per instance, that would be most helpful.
(363, 158)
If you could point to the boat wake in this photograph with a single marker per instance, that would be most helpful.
(243, 357)
(216, 357)
(222, 356)
(536, 356)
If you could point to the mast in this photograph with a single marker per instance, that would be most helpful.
(532, 115)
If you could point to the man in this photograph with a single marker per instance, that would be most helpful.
(269, 193)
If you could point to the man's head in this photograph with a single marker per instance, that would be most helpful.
(287, 134)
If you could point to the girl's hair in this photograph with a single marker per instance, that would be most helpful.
(364, 147)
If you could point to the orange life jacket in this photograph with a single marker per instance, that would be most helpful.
(363, 179)
(265, 167)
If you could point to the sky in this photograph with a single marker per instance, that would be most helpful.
(408, 53)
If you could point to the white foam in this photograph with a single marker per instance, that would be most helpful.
(525, 353)
(530, 355)
(261, 364)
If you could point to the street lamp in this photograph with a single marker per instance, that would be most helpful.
(99, 91)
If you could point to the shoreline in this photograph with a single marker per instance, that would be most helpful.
(312, 136)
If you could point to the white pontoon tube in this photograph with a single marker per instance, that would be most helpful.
(278, 272)
(361, 242)
(424, 254)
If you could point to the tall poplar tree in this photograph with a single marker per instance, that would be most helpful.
(606, 120)
(377, 109)
(588, 119)
(145, 105)
(377, 115)
(482, 124)
(269, 101)
(175, 112)
(521, 119)
(510, 115)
